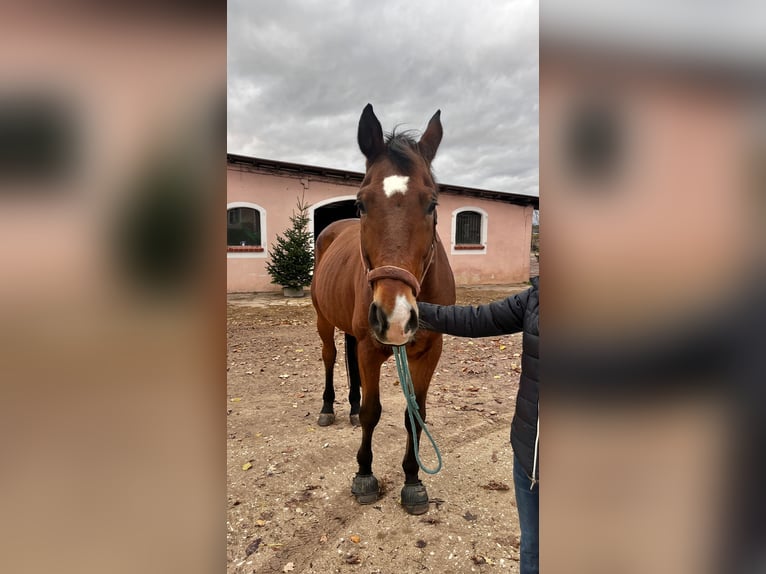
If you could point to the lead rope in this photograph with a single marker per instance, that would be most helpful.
(413, 410)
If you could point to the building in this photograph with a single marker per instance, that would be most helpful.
(487, 233)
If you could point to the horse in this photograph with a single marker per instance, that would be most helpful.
(369, 274)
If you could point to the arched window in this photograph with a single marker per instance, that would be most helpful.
(245, 228)
(468, 228)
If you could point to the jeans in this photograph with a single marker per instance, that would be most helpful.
(528, 505)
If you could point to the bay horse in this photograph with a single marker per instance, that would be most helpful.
(368, 277)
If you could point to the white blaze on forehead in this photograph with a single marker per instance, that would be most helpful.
(395, 184)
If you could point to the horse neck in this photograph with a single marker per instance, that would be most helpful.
(438, 285)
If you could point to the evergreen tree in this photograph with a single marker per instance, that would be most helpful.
(292, 256)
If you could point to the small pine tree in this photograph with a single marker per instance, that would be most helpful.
(292, 259)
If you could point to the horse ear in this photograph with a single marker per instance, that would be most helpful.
(370, 135)
(431, 138)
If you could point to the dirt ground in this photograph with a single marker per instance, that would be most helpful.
(290, 507)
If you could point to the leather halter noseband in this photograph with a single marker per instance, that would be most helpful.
(397, 273)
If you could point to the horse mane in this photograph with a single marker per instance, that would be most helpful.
(402, 149)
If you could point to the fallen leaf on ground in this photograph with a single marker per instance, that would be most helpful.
(355, 538)
(247, 466)
(260, 523)
(495, 485)
(353, 559)
(323, 538)
(253, 547)
(236, 399)
(289, 567)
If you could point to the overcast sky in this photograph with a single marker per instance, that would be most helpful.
(301, 71)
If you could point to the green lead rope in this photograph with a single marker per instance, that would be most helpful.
(413, 410)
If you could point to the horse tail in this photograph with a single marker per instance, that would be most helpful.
(352, 372)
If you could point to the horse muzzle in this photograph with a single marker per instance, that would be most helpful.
(396, 326)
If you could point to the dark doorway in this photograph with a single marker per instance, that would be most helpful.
(325, 215)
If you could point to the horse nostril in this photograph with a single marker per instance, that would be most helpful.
(377, 319)
(372, 316)
(412, 324)
(382, 320)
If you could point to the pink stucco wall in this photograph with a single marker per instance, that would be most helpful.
(505, 258)
(277, 195)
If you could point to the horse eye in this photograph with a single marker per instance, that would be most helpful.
(432, 207)
(360, 208)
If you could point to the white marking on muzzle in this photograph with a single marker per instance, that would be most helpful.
(395, 184)
(398, 319)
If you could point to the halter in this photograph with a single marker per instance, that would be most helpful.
(397, 273)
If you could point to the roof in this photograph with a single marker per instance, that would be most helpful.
(284, 168)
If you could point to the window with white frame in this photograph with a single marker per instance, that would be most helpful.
(245, 228)
(469, 230)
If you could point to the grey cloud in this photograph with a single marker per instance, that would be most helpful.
(300, 73)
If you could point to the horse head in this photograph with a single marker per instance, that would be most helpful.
(397, 208)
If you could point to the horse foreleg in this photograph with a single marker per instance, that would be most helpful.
(414, 493)
(354, 379)
(327, 334)
(365, 485)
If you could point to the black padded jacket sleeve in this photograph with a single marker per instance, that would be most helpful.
(496, 318)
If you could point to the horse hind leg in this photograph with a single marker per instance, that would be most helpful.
(327, 334)
(354, 379)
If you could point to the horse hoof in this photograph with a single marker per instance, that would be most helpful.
(415, 498)
(354, 419)
(365, 488)
(326, 419)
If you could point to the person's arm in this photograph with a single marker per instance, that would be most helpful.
(496, 318)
